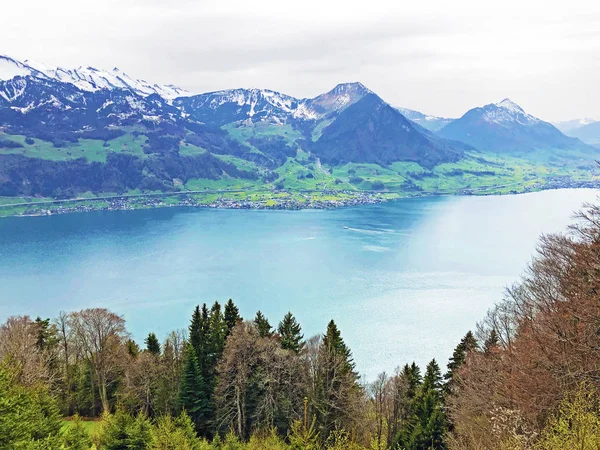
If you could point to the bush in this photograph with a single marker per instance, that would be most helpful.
(76, 436)
(29, 418)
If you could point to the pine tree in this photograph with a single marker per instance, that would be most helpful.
(262, 325)
(291, 333)
(335, 345)
(491, 342)
(231, 316)
(467, 344)
(428, 422)
(195, 330)
(152, 344)
(132, 348)
(75, 436)
(192, 392)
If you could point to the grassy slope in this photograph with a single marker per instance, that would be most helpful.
(478, 173)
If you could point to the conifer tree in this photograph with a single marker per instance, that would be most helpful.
(467, 344)
(426, 427)
(192, 392)
(152, 344)
(262, 325)
(335, 345)
(491, 342)
(132, 348)
(291, 333)
(231, 316)
(195, 330)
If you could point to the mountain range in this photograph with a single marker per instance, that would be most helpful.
(67, 131)
(587, 130)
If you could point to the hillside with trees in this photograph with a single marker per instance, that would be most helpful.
(526, 379)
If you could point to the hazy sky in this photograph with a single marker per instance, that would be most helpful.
(441, 57)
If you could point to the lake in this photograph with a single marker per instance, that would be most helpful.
(404, 280)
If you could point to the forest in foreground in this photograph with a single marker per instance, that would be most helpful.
(527, 378)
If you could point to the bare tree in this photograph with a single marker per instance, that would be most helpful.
(19, 348)
(101, 335)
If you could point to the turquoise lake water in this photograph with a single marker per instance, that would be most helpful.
(404, 280)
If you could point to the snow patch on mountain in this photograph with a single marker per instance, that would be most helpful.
(86, 78)
(506, 112)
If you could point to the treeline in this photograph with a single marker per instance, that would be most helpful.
(246, 380)
(527, 379)
(534, 381)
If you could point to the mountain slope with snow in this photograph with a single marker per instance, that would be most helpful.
(85, 78)
(569, 126)
(588, 133)
(505, 127)
(431, 123)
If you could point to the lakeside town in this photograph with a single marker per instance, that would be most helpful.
(268, 200)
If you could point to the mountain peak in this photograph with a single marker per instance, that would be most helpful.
(354, 87)
(508, 104)
(86, 78)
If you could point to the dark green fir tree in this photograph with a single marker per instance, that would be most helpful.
(152, 344)
(192, 393)
(231, 316)
(262, 325)
(467, 344)
(291, 333)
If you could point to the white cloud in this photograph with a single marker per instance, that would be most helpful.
(437, 56)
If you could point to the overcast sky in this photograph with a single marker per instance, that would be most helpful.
(440, 57)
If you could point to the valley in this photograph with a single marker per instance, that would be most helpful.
(83, 139)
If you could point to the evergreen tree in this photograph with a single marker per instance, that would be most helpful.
(132, 348)
(75, 436)
(231, 316)
(291, 333)
(152, 344)
(335, 345)
(28, 416)
(426, 426)
(46, 334)
(412, 374)
(195, 330)
(491, 342)
(192, 392)
(467, 344)
(262, 325)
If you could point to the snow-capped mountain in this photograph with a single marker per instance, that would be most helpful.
(506, 127)
(568, 126)
(256, 105)
(588, 133)
(85, 78)
(431, 123)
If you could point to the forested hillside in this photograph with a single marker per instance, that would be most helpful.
(527, 379)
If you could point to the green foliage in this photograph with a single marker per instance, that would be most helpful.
(76, 436)
(176, 434)
(152, 344)
(262, 325)
(303, 437)
(29, 417)
(231, 316)
(291, 333)
(335, 345)
(466, 345)
(192, 391)
(576, 425)
(425, 428)
(121, 431)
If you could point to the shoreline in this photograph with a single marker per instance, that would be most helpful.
(287, 200)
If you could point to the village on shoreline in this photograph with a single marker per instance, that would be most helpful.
(268, 200)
